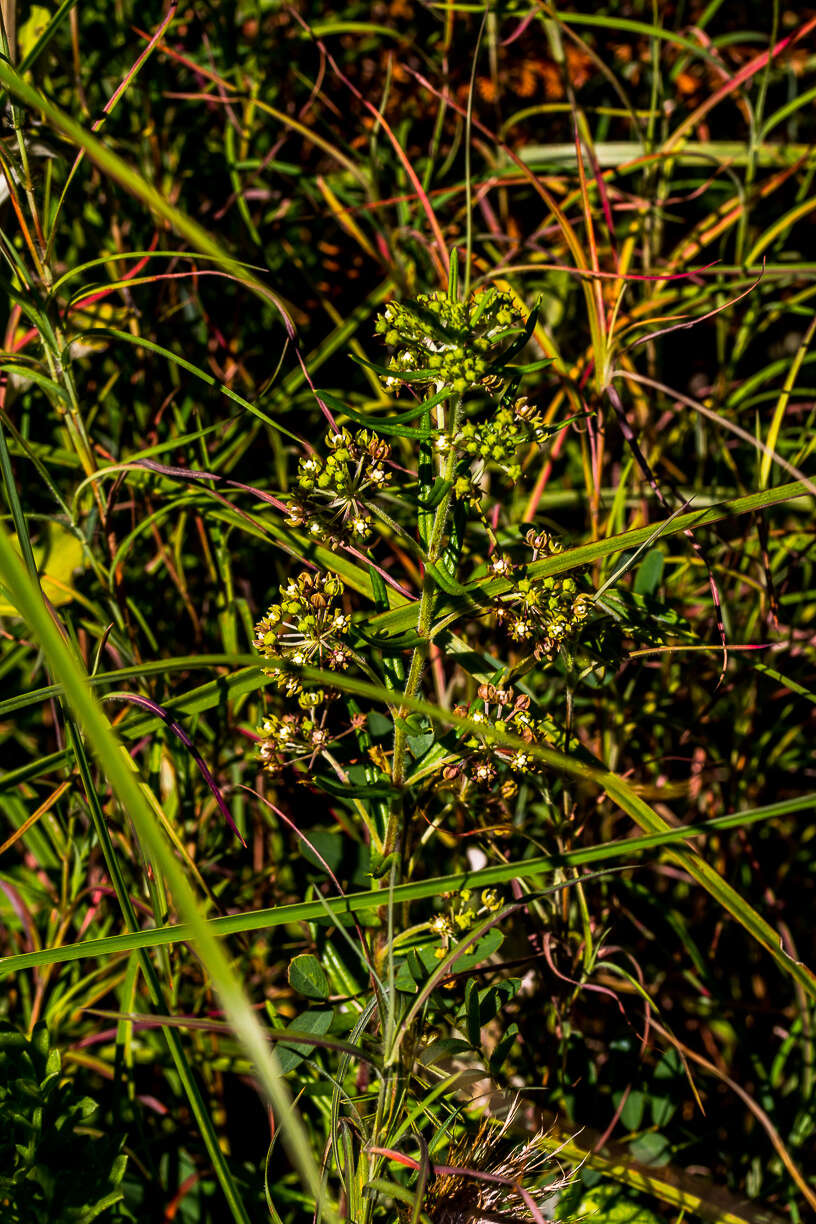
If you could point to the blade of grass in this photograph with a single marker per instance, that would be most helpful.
(117, 768)
(355, 903)
(782, 403)
(156, 991)
(117, 168)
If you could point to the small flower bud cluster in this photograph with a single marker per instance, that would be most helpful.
(306, 627)
(501, 710)
(334, 493)
(294, 736)
(445, 342)
(462, 913)
(494, 442)
(540, 613)
(525, 413)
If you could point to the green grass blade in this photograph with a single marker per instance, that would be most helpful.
(416, 890)
(117, 768)
(117, 168)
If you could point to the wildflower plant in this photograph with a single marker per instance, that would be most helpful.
(422, 491)
(460, 353)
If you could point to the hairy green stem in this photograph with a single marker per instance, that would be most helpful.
(424, 621)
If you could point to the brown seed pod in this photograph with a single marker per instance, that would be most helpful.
(483, 1180)
(539, 540)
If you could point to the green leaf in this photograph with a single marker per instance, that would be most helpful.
(420, 734)
(307, 976)
(520, 343)
(443, 579)
(393, 644)
(650, 572)
(379, 725)
(30, 374)
(503, 1047)
(445, 1047)
(473, 1013)
(327, 845)
(437, 491)
(531, 367)
(650, 1149)
(632, 1112)
(670, 1066)
(407, 376)
(315, 1022)
(491, 1000)
(662, 1109)
(343, 790)
(389, 427)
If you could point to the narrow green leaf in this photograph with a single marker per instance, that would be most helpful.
(118, 769)
(370, 900)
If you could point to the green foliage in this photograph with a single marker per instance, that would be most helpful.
(395, 410)
(306, 976)
(56, 1166)
(604, 1203)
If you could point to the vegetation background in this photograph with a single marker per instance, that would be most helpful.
(205, 207)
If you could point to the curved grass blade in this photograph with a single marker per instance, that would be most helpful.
(355, 903)
(117, 769)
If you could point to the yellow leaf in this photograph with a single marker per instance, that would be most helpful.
(56, 558)
(31, 29)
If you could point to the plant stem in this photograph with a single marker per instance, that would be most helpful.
(424, 621)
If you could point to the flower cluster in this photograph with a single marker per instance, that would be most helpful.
(306, 627)
(501, 710)
(494, 442)
(295, 737)
(305, 735)
(539, 612)
(446, 342)
(462, 913)
(333, 493)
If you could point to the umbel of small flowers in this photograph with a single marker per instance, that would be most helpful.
(461, 913)
(483, 757)
(494, 442)
(333, 494)
(307, 627)
(295, 737)
(539, 612)
(449, 343)
(301, 737)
